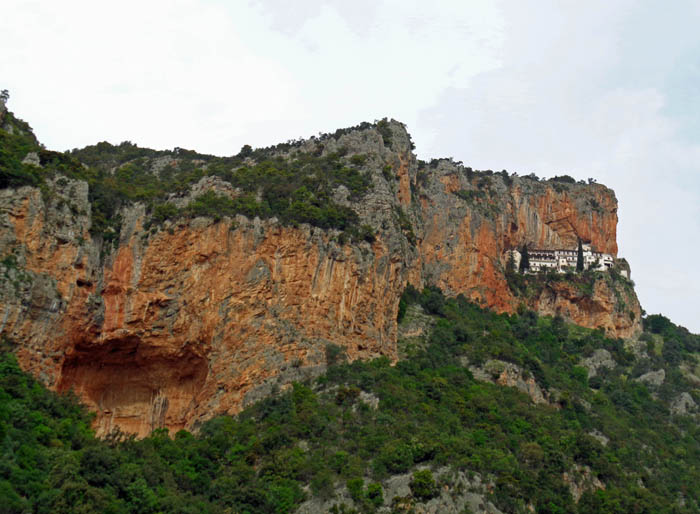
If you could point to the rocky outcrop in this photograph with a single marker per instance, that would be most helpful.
(601, 359)
(469, 221)
(579, 479)
(510, 375)
(612, 306)
(599, 436)
(174, 324)
(683, 404)
(653, 378)
(458, 492)
(180, 325)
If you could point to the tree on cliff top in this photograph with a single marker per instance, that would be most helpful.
(524, 260)
(579, 257)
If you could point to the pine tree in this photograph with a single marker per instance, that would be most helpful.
(524, 260)
(579, 258)
(510, 266)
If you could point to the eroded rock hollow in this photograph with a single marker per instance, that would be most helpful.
(178, 322)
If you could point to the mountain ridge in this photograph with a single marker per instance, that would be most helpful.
(247, 268)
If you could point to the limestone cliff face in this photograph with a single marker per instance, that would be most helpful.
(469, 222)
(183, 324)
(175, 324)
(612, 306)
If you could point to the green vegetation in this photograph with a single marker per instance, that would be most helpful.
(431, 413)
(13, 274)
(510, 264)
(294, 189)
(678, 342)
(471, 195)
(423, 485)
(507, 179)
(15, 144)
(564, 179)
(531, 285)
(484, 191)
(388, 174)
(579, 257)
(524, 260)
(484, 199)
(281, 181)
(384, 129)
(561, 183)
(404, 223)
(323, 435)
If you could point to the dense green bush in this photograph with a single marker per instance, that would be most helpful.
(14, 146)
(384, 129)
(423, 485)
(566, 179)
(217, 206)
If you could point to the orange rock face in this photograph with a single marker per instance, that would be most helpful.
(619, 314)
(176, 325)
(467, 233)
(404, 193)
(194, 319)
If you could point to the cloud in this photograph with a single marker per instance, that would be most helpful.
(215, 75)
(560, 104)
(596, 89)
(163, 74)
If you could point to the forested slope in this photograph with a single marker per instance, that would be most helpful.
(369, 436)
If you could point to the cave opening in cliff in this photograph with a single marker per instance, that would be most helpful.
(134, 386)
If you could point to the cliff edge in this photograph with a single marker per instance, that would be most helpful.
(165, 288)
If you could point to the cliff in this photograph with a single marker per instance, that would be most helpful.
(167, 320)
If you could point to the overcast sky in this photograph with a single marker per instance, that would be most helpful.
(601, 89)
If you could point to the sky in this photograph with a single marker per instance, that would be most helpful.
(609, 90)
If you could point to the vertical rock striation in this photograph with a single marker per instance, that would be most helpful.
(173, 325)
(469, 221)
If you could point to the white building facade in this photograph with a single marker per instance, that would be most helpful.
(562, 260)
